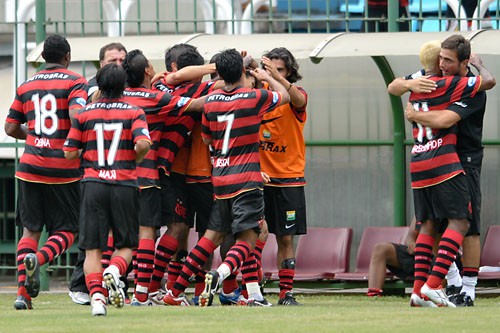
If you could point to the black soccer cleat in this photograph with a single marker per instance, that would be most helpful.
(461, 300)
(211, 287)
(288, 299)
(32, 267)
(453, 290)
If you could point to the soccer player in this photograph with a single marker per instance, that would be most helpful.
(230, 123)
(400, 260)
(112, 53)
(112, 136)
(173, 155)
(156, 105)
(455, 56)
(199, 257)
(283, 160)
(438, 180)
(49, 189)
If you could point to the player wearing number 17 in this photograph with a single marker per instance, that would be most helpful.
(113, 136)
(48, 183)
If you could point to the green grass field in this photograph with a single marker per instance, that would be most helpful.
(319, 313)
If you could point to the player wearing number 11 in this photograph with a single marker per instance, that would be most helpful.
(49, 191)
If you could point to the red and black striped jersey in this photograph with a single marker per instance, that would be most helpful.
(43, 103)
(434, 157)
(282, 145)
(231, 121)
(178, 129)
(157, 105)
(107, 132)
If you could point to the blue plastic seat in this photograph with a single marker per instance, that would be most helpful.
(355, 6)
(428, 6)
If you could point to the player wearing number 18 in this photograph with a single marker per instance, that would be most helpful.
(113, 136)
(48, 183)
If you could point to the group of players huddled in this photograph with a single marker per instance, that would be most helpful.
(113, 160)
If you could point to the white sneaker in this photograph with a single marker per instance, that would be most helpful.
(136, 302)
(115, 286)
(418, 302)
(438, 296)
(98, 305)
(157, 297)
(79, 297)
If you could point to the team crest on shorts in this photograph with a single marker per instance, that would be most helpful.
(290, 215)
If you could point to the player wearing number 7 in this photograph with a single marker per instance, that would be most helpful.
(49, 189)
(230, 123)
(113, 136)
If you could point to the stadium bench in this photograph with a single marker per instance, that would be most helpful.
(490, 255)
(370, 237)
(322, 253)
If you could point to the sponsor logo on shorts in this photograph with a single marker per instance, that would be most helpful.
(288, 226)
(290, 215)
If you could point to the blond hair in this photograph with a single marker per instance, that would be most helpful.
(429, 55)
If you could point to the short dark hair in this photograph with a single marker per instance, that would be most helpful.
(459, 44)
(111, 80)
(173, 53)
(190, 57)
(290, 63)
(55, 48)
(135, 64)
(110, 46)
(229, 65)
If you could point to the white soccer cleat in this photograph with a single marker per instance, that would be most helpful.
(438, 296)
(115, 286)
(79, 297)
(98, 305)
(157, 297)
(418, 302)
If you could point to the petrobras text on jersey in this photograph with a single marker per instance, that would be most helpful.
(144, 94)
(48, 76)
(114, 105)
(222, 97)
(221, 162)
(431, 145)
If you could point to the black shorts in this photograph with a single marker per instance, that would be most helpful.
(109, 207)
(285, 210)
(150, 207)
(55, 206)
(200, 203)
(473, 176)
(406, 262)
(447, 200)
(174, 199)
(242, 212)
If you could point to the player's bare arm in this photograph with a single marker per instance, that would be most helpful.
(72, 155)
(189, 73)
(141, 149)
(487, 79)
(296, 97)
(432, 119)
(16, 131)
(399, 86)
(196, 104)
(263, 75)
